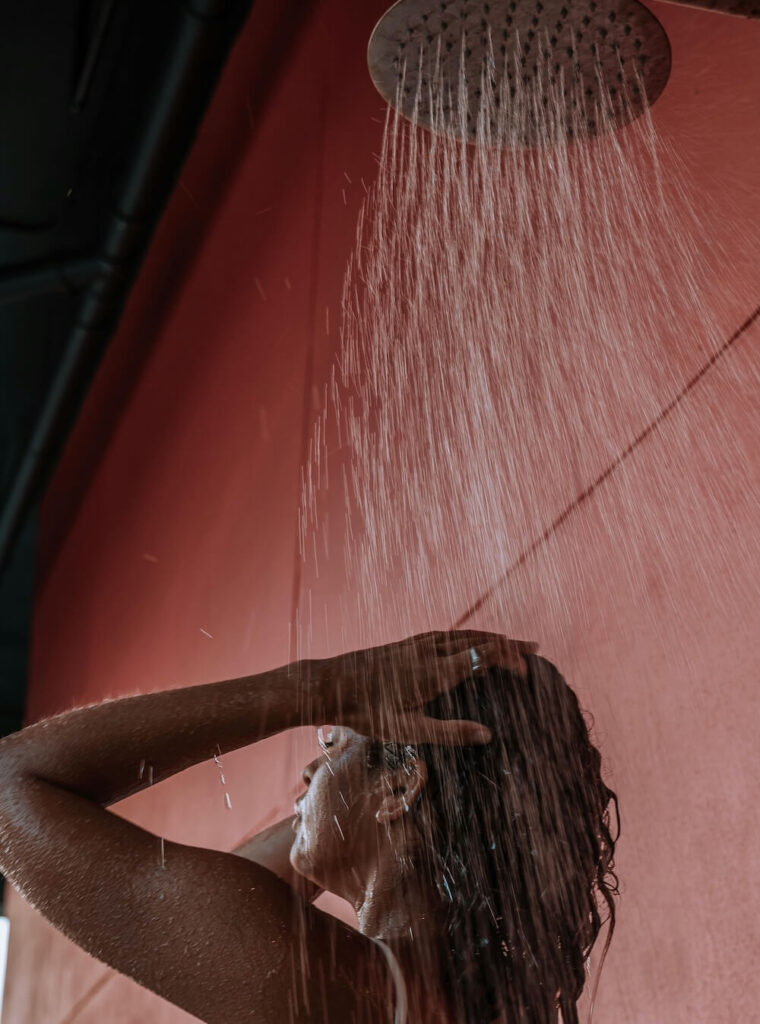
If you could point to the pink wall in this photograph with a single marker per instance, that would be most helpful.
(188, 528)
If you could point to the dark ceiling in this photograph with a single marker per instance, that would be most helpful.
(99, 103)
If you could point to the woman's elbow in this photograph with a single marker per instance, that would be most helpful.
(16, 775)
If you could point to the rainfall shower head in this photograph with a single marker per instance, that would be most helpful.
(604, 61)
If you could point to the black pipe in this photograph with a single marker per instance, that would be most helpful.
(205, 34)
(44, 278)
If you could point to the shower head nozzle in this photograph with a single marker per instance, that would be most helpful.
(430, 58)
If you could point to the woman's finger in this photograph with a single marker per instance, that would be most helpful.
(425, 645)
(482, 656)
(511, 654)
(451, 643)
(460, 640)
(449, 732)
(466, 663)
(446, 641)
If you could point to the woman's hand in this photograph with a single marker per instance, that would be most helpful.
(380, 692)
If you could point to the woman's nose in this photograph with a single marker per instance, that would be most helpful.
(310, 770)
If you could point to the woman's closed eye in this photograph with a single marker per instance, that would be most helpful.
(326, 737)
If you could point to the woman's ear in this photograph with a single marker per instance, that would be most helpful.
(402, 788)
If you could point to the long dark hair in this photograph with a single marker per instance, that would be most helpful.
(518, 841)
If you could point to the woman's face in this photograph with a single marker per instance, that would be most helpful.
(336, 828)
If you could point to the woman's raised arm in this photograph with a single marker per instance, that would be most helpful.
(108, 751)
(215, 934)
(211, 932)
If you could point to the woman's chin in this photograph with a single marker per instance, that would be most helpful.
(302, 862)
(299, 851)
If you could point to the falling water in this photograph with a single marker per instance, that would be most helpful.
(516, 323)
(513, 319)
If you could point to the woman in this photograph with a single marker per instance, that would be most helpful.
(457, 804)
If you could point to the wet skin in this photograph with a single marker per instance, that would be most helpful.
(215, 933)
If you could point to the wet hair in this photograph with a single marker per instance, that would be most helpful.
(517, 839)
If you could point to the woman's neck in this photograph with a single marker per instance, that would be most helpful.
(394, 905)
(393, 900)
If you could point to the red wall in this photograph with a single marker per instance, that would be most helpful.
(188, 528)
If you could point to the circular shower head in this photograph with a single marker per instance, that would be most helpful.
(605, 61)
